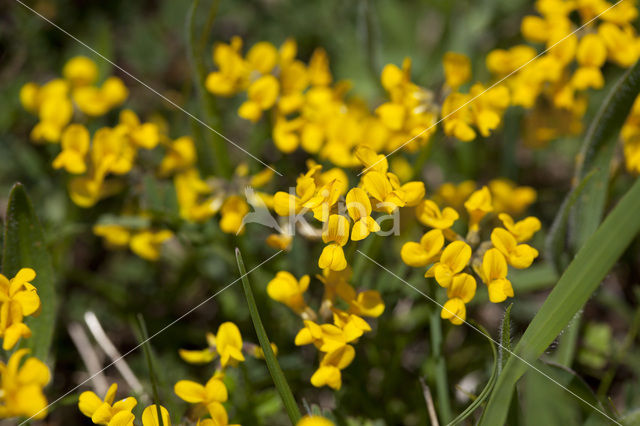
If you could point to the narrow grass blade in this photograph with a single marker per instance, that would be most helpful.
(579, 281)
(272, 363)
(487, 389)
(24, 247)
(441, 380)
(146, 346)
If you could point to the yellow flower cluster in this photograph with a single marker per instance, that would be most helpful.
(310, 111)
(554, 84)
(454, 258)
(334, 339)
(227, 346)
(21, 383)
(56, 101)
(104, 411)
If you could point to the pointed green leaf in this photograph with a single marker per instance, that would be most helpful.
(25, 248)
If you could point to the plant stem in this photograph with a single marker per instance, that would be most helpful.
(277, 375)
(152, 376)
(442, 384)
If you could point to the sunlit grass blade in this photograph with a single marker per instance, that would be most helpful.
(487, 389)
(277, 375)
(579, 281)
(24, 247)
(505, 338)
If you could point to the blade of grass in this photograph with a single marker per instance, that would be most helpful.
(277, 375)
(442, 383)
(505, 338)
(144, 334)
(24, 247)
(579, 281)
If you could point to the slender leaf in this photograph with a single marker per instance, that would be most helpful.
(555, 243)
(24, 247)
(596, 154)
(579, 281)
(272, 363)
(487, 389)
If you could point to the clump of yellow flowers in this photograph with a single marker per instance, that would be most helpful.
(21, 383)
(455, 258)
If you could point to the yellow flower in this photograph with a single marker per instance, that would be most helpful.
(104, 411)
(372, 161)
(96, 101)
(262, 57)
(454, 195)
(488, 106)
(286, 204)
(115, 236)
(429, 214)
(80, 71)
(201, 356)
(621, 46)
(323, 201)
(21, 393)
(147, 244)
(518, 255)
(219, 416)
(335, 234)
(328, 374)
(143, 135)
(457, 69)
(314, 421)
(359, 208)
(319, 73)
(150, 416)
(262, 95)
(461, 291)
(285, 289)
(29, 97)
(425, 252)
(18, 298)
(379, 187)
(229, 344)
(591, 55)
(502, 62)
(233, 70)
(457, 117)
(509, 198)
(75, 145)
(478, 205)
(280, 241)
(494, 274)
(522, 230)
(181, 154)
(453, 260)
(213, 391)
(392, 115)
(111, 152)
(352, 326)
(325, 337)
(55, 112)
(366, 303)
(232, 211)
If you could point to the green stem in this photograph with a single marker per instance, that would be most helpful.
(152, 376)
(277, 375)
(216, 151)
(442, 384)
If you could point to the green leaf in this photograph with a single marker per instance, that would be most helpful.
(579, 281)
(487, 389)
(596, 154)
(272, 363)
(555, 242)
(146, 346)
(25, 248)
